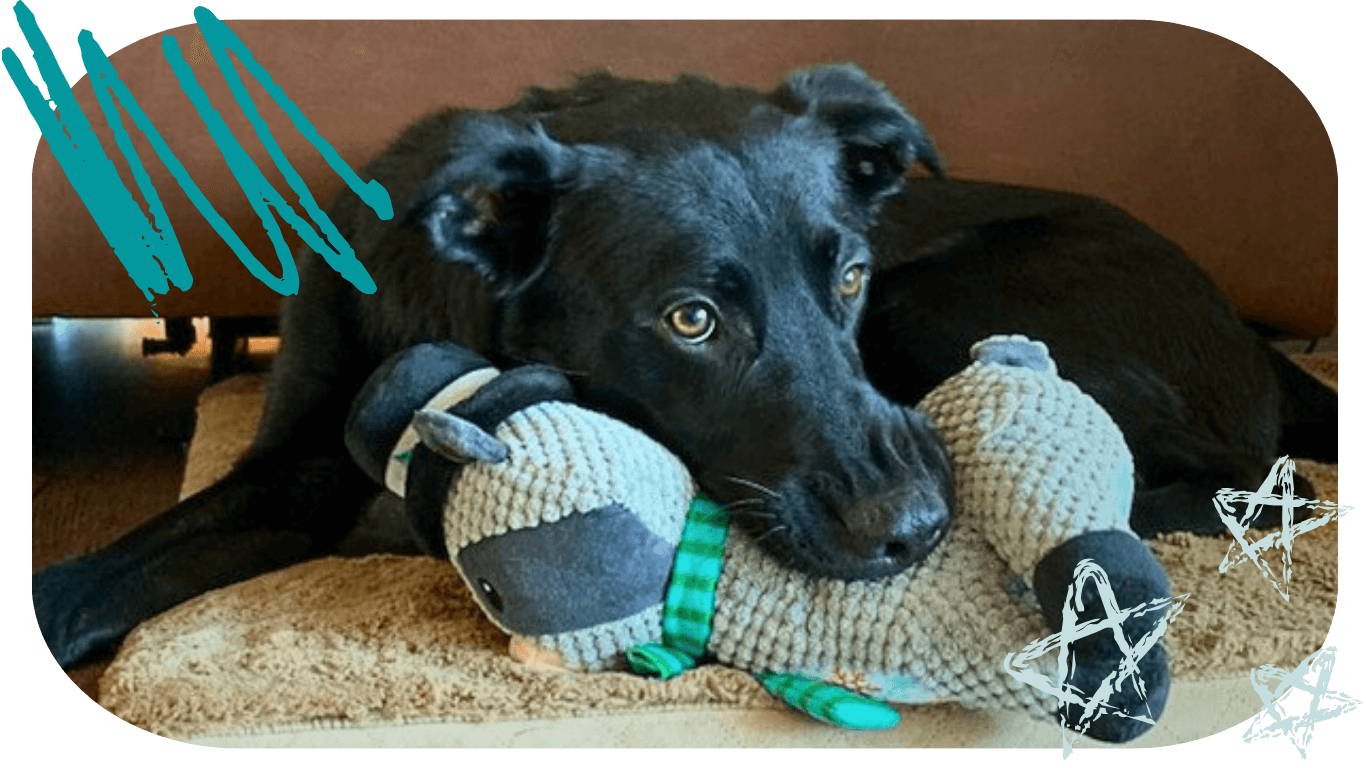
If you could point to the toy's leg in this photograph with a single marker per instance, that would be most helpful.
(1136, 578)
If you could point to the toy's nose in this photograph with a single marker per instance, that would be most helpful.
(526, 651)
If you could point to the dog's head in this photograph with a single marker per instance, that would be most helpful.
(707, 285)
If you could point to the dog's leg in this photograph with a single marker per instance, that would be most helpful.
(294, 496)
(264, 516)
(1179, 464)
(1203, 404)
(1309, 413)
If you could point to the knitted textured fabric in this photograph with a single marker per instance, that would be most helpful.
(600, 647)
(503, 453)
(1035, 459)
(937, 632)
(565, 460)
(689, 612)
(1036, 462)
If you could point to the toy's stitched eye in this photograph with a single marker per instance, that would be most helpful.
(853, 281)
(490, 594)
(692, 321)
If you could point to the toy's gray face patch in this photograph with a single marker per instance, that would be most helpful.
(577, 572)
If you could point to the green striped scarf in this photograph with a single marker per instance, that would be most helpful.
(688, 608)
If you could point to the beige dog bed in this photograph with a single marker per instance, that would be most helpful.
(391, 651)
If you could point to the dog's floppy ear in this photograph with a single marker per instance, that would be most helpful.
(489, 206)
(881, 139)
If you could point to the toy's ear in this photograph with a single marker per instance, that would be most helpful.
(456, 439)
(881, 139)
(489, 207)
(400, 385)
(1017, 351)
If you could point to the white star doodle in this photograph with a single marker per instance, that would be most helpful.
(1241, 550)
(1274, 719)
(1020, 665)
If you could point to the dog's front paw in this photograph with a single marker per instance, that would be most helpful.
(65, 614)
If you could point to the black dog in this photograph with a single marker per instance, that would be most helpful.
(698, 259)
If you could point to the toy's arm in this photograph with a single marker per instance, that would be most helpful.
(1134, 578)
(1048, 477)
(1036, 461)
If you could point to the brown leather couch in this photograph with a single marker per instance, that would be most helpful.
(1196, 135)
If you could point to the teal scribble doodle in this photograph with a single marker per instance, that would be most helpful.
(149, 250)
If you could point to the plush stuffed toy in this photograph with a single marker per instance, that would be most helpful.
(585, 540)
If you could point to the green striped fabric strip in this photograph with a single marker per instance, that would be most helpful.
(691, 599)
(689, 606)
(829, 703)
(659, 661)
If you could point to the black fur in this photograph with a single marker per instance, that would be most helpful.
(565, 230)
(1203, 401)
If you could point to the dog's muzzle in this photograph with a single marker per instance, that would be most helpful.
(869, 515)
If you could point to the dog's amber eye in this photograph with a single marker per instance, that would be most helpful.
(693, 321)
(852, 281)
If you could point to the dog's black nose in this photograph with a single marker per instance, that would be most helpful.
(885, 535)
(872, 538)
